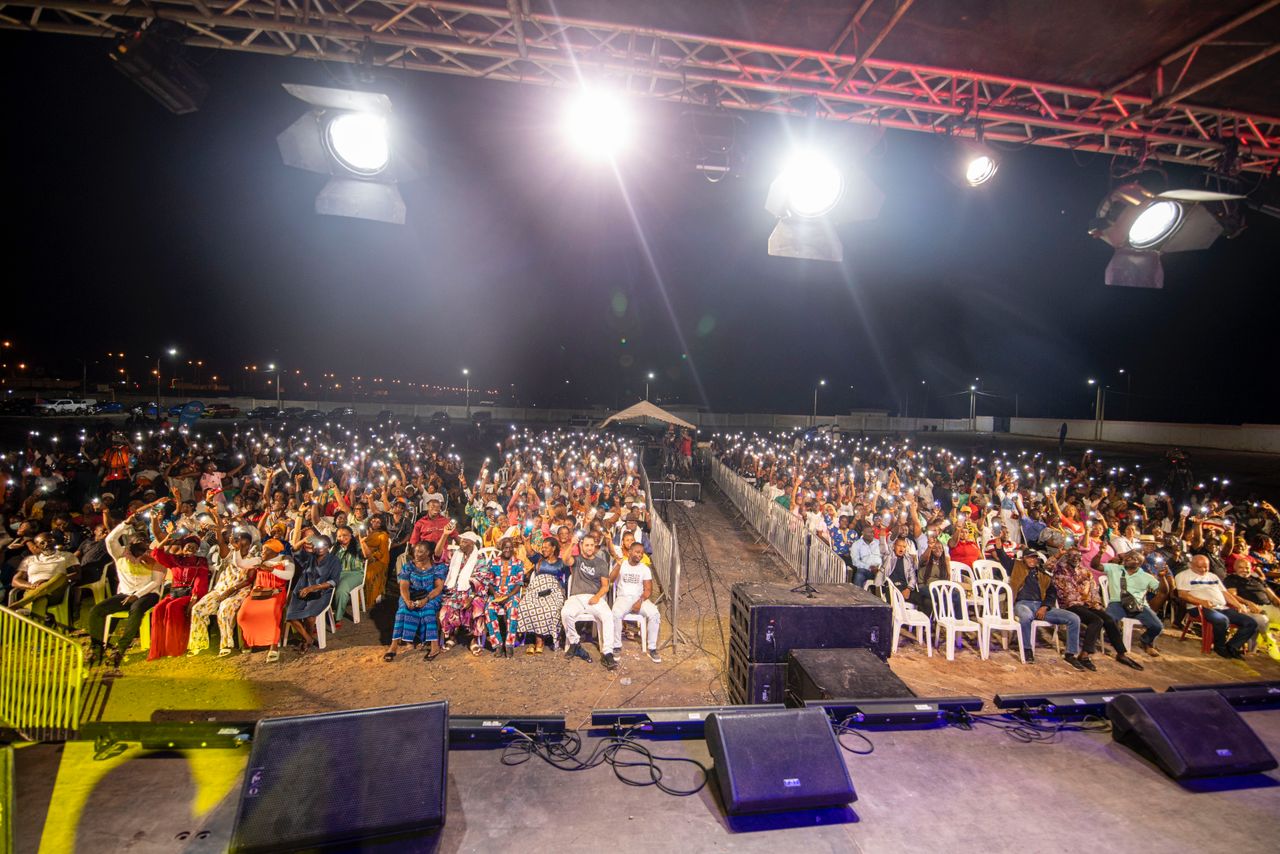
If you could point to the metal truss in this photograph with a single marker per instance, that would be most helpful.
(507, 42)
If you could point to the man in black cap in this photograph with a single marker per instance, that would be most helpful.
(1036, 599)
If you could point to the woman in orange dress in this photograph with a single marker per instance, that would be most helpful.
(262, 614)
(376, 546)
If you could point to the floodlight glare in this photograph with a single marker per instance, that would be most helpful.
(359, 142)
(598, 123)
(980, 170)
(813, 184)
(1154, 224)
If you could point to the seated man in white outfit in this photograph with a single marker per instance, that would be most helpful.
(632, 584)
(588, 586)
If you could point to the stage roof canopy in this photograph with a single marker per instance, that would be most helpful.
(645, 409)
(1187, 81)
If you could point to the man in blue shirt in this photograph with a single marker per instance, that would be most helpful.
(865, 555)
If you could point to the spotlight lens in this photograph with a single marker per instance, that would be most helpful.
(598, 123)
(813, 183)
(980, 170)
(1155, 224)
(359, 142)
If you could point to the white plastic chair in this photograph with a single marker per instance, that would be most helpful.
(357, 596)
(324, 624)
(1053, 630)
(877, 581)
(601, 640)
(1127, 624)
(638, 619)
(905, 616)
(486, 554)
(959, 570)
(993, 600)
(945, 615)
(989, 569)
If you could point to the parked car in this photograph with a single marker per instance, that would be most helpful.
(221, 410)
(481, 416)
(341, 413)
(60, 406)
(18, 406)
(291, 412)
(439, 419)
(310, 415)
(108, 407)
(269, 413)
(144, 410)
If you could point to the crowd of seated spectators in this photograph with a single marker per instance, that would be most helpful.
(262, 534)
(904, 514)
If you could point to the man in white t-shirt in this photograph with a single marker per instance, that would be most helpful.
(632, 583)
(1200, 588)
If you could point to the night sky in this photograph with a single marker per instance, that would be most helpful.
(135, 229)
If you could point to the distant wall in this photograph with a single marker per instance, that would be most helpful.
(1259, 438)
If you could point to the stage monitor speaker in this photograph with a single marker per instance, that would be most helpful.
(316, 781)
(1189, 734)
(769, 761)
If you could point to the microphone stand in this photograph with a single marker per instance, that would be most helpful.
(807, 589)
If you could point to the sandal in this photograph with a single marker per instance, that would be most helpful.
(273, 655)
(476, 649)
(431, 656)
(390, 656)
(225, 651)
(528, 650)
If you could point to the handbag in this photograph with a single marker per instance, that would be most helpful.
(262, 593)
(179, 592)
(1128, 601)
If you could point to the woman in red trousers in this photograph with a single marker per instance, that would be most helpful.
(189, 580)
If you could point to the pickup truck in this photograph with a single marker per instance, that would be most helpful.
(65, 406)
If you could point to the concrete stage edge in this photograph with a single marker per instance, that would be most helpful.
(937, 789)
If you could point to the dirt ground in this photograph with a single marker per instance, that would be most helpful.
(716, 553)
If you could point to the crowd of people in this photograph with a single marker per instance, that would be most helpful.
(265, 532)
(1082, 544)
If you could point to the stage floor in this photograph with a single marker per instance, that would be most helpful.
(939, 789)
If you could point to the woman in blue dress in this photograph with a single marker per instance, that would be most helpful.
(421, 587)
(316, 579)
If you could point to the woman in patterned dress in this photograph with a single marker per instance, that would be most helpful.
(421, 589)
(226, 597)
(543, 597)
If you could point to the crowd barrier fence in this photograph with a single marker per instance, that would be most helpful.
(41, 675)
(666, 558)
(784, 531)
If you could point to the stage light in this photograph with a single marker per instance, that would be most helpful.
(598, 123)
(812, 184)
(351, 136)
(1155, 224)
(359, 142)
(1141, 226)
(981, 169)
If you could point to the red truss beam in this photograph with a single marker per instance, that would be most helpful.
(499, 43)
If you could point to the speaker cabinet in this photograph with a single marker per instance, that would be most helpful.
(315, 781)
(1189, 734)
(768, 761)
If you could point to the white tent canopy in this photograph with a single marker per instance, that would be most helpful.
(645, 409)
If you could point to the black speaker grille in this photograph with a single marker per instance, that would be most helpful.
(341, 777)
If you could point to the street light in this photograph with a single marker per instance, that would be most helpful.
(820, 384)
(648, 378)
(172, 351)
(276, 370)
(1099, 408)
(467, 373)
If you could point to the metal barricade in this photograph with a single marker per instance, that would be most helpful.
(784, 531)
(666, 558)
(41, 674)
